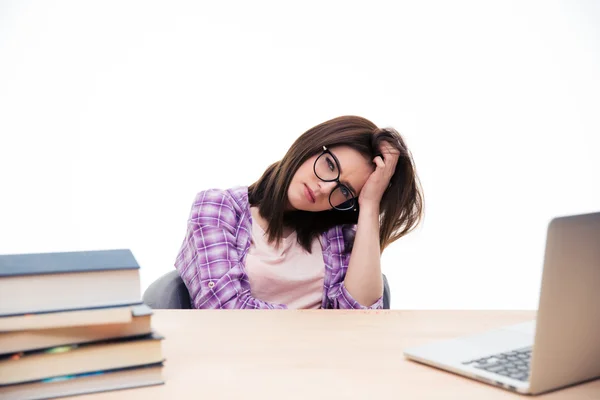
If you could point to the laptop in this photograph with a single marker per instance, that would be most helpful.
(562, 346)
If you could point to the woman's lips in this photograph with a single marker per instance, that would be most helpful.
(309, 194)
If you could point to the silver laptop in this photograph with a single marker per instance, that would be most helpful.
(562, 346)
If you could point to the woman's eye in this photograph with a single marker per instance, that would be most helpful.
(345, 192)
(330, 164)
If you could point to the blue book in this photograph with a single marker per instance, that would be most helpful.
(62, 281)
(55, 362)
(86, 383)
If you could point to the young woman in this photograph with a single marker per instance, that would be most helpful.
(310, 232)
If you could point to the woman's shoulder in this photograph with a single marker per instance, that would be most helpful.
(216, 206)
(228, 197)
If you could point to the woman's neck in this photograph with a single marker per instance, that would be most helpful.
(263, 223)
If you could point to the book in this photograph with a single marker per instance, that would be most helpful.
(63, 281)
(86, 383)
(80, 358)
(63, 319)
(136, 323)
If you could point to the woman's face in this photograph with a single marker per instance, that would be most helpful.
(309, 193)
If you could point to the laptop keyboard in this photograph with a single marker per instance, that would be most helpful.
(514, 364)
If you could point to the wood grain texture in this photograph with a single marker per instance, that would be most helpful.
(318, 354)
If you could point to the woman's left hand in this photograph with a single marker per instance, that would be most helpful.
(378, 181)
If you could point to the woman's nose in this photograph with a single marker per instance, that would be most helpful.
(327, 187)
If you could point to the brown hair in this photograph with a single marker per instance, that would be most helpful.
(401, 206)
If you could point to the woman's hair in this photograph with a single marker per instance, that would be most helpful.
(401, 206)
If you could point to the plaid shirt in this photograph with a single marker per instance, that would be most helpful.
(212, 256)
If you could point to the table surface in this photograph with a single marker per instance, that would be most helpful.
(318, 354)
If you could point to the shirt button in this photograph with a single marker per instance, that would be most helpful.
(211, 285)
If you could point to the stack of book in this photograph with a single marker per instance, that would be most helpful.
(74, 323)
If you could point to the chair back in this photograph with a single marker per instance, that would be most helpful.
(169, 292)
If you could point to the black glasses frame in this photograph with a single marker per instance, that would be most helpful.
(347, 205)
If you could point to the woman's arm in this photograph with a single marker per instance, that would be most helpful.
(208, 261)
(363, 279)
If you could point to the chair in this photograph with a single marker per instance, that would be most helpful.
(169, 292)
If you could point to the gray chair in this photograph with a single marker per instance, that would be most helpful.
(169, 292)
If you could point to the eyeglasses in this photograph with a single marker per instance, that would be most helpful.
(327, 169)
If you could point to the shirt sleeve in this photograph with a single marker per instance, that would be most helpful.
(339, 296)
(342, 299)
(208, 261)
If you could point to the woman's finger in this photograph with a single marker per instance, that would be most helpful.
(379, 162)
(388, 151)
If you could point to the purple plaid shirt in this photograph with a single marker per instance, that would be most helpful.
(212, 257)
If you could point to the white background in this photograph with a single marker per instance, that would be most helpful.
(114, 114)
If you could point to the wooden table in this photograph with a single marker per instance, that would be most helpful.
(326, 354)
